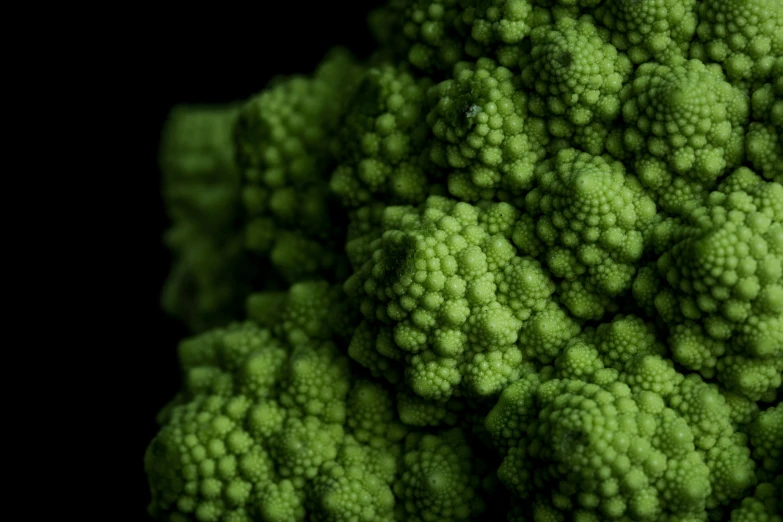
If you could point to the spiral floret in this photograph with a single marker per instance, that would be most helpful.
(478, 121)
(591, 216)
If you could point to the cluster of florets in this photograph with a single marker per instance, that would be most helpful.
(523, 262)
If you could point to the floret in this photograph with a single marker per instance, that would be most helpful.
(626, 339)
(744, 36)
(357, 473)
(544, 336)
(763, 143)
(766, 438)
(684, 117)
(454, 295)
(247, 409)
(764, 506)
(439, 480)
(592, 217)
(311, 310)
(576, 77)
(384, 135)
(423, 32)
(597, 449)
(200, 178)
(282, 147)
(478, 122)
(598, 443)
(724, 270)
(725, 451)
(499, 28)
(652, 29)
(268, 430)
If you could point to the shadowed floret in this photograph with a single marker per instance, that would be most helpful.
(310, 310)
(506, 21)
(426, 33)
(576, 3)
(418, 411)
(282, 146)
(200, 178)
(201, 191)
(766, 504)
(512, 412)
(766, 439)
(763, 142)
(384, 134)
(439, 481)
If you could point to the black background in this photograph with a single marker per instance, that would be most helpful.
(212, 56)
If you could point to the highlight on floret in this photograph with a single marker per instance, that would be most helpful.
(523, 262)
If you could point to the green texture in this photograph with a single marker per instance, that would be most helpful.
(522, 263)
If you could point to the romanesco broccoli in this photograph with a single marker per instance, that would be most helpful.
(524, 262)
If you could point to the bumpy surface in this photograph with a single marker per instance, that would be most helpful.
(423, 32)
(524, 262)
(439, 479)
(591, 217)
(659, 29)
(282, 147)
(645, 422)
(576, 76)
(448, 285)
(745, 36)
(478, 123)
(388, 163)
(724, 271)
(272, 429)
(763, 143)
(686, 115)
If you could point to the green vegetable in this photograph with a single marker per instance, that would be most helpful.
(523, 263)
